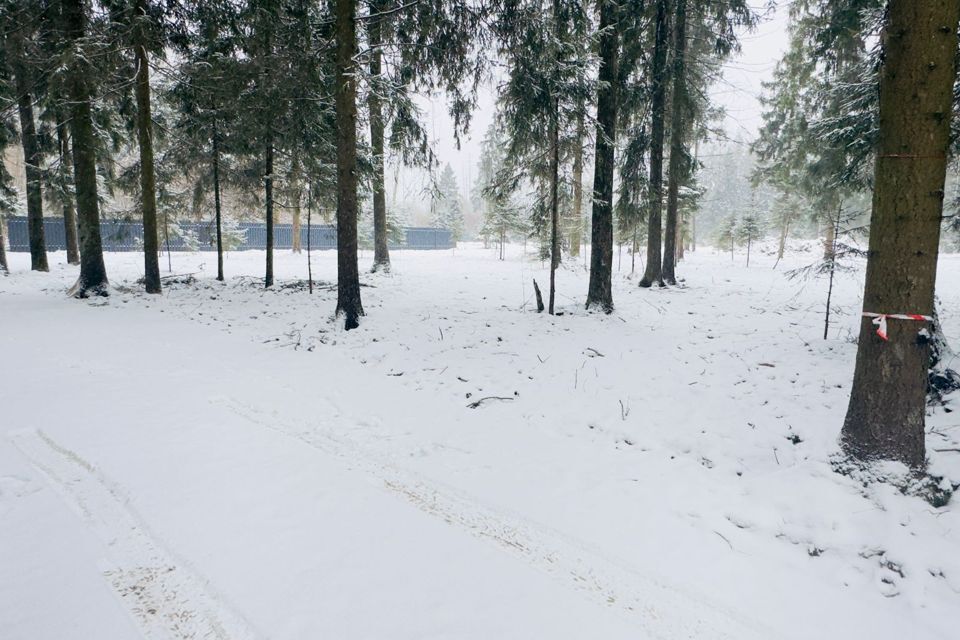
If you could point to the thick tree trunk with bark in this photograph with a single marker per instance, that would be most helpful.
(69, 212)
(93, 273)
(216, 200)
(576, 221)
(600, 290)
(885, 418)
(652, 273)
(677, 132)
(268, 196)
(148, 191)
(32, 157)
(345, 102)
(381, 253)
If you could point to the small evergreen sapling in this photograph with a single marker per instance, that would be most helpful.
(749, 230)
(727, 233)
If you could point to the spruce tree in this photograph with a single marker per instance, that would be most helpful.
(20, 50)
(542, 44)
(886, 414)
(600, 288)
(677, 134)
(659, 79)
(93, 272)
(447, 211)
(349, 306)
(8, 194)
(139, 24)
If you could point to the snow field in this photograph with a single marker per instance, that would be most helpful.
(230, 459)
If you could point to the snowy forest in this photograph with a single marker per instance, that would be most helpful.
(474, 319)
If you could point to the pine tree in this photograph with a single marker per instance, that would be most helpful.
(7, 192)
(447, 211)
(348, 275)
(93, 272)
(542, 44)
(206, 88)
(678, 125)
(60, 186)
(501, 216)
(600, 288)
(139, 26)
(416, 47)
(749, 230)
(659, 78)
(375, 23)
(20, 44)
(727, 233)
(886, 414)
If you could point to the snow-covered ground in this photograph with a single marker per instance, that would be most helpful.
(224, 462)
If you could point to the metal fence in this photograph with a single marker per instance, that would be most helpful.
(122, 235)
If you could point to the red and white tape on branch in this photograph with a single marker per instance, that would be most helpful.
(880, 319)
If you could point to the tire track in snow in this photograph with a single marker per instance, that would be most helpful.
(666, 611)
(164, 598)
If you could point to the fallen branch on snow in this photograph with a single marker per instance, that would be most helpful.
(477, 403)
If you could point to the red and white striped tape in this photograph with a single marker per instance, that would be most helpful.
(880, 319)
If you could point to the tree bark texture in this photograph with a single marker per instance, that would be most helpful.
(600, 290)
(653, 273)
(32, 156)
(576, 222)
(381, 253)
(69, 212)
(345, 103)
(3, 249)
(677, 132)
(148, 191)
(216, 200)
(268, 196)
(93, 272)
(885, 417)
(554, 201)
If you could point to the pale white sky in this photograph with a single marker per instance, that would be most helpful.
(737, 91)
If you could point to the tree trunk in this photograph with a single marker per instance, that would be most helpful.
(784, 230)
(885, 418)
(93, 272)
(576, 223)
(677, 131)
(381, 253)
(32, 156)
(3, 249)
(268, 195)
(296, 227)
(295, 194)
(652, 273)
(600, 291)
(693, 231)
(681, 238)
(216, 200)
(829, 240)
(69, 212)
(309, 232)
(345, 102)
(148, 194)
(554, 198)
